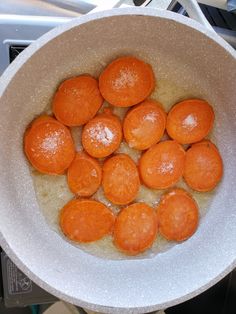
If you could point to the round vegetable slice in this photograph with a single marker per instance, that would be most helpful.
(49, 146)
(86, 220)
(102, 135)
(203, 166)
(177, 215)
(144, 125)
(162, 165)
(120, 179)
(84, 175)
(190, 121)
(126, 81)
(77, 100)
(135, 228)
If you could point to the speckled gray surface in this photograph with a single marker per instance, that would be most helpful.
(179, 49)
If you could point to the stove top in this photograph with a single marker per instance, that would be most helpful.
(20, 24)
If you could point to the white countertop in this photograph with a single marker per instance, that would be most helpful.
(222, 4)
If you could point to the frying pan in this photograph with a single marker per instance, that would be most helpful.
(180, 50)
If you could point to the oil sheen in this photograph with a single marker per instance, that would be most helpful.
(53, 193)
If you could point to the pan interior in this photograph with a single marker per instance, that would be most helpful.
(53, 193)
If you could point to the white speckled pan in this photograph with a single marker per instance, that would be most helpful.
(180, 50)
